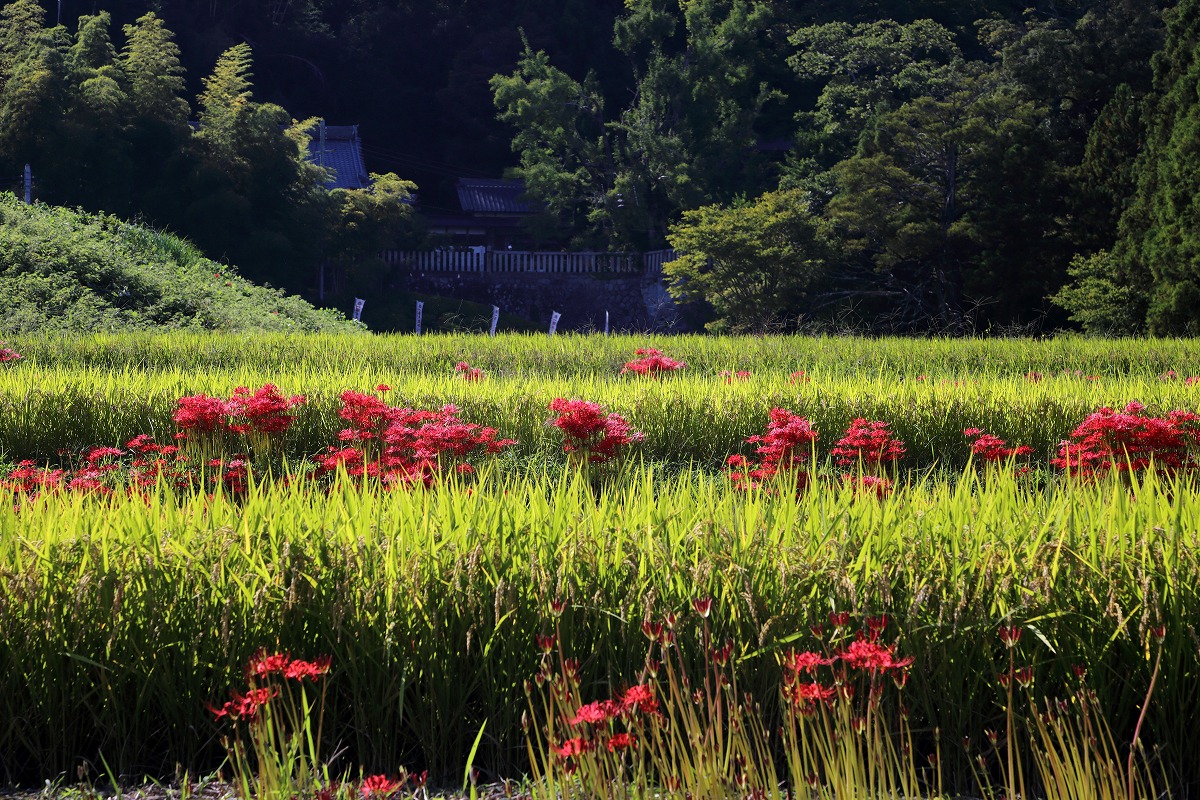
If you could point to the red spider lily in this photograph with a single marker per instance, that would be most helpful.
(785, 446)
(546, 643)
(993, 448)
(1130, 441)
(702, 605)
(652, 630)
(839, 619)
(573, 747)
(366, 415)
(876, 625)
(597, 437)
(264, 412)
(199, 412)
(468, 372)
(720, 655)
(730, 377)
(98, 454)
(653, 362)
(806, 694)
(311, 670)
(379, 786)
(245, 706)
(798, 377)
(1033, 377)
(866, 654)
(806, 661)
(595, 713)
(382, 387)
(639, 698)
(264, 663)
(868, 442)
(31, 480)
(621, 741)
(8, 355)
(143, 443)
(1024, 676)
(557, 606)
(1010, 635)
(404, 446)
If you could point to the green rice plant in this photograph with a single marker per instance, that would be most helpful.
(935, 359)
(120, 615)
(691, 418)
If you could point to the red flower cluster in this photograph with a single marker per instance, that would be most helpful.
(199, 412)
(104, 470)
(8, 355)
(245, 706)
(785, 446)
(652, 362)
(403, 445)
(379, 786)
(636, 700)
(264, 411)
(468, 372)
(263, 663)
(993, 448)
(1130, 440)
(30, 480)
(596, 436)
(865, 654)
(740, 375)
(868, 484)
(868, 443)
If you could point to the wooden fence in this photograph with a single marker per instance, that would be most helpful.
(480, 260)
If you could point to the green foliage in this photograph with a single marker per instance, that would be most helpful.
(866, 69)
(72, 392)
(150, 61)
(927, 200)
(73, 272)
(1155, 262)
(124, 616)
(1102, 300)
(753, 263)
(561, 137)
(703, 84)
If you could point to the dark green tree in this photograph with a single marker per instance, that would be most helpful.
(150, 60)
(858, 72)
(703, 100)
(255, 198)
(756, 264)
(929, 203)
(562, 138)
(1155, 263)
(34, 96)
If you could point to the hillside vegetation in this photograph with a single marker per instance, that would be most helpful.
(64, 270)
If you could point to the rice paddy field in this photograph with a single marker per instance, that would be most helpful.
(123, 613)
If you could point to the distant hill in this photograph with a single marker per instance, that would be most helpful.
(65, 270)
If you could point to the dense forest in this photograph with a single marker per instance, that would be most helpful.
(997, 165)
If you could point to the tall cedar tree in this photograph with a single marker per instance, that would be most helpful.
(1160, 232)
